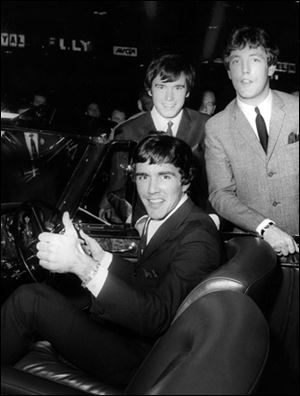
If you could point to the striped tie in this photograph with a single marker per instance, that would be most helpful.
(169, 129)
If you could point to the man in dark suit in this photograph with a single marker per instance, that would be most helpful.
(169, 80)
(132, 303)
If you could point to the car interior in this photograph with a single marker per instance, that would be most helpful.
(235, 333)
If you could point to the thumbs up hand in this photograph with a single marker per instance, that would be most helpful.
(60, 252)
(69, 228)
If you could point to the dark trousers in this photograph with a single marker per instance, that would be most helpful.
(38, 312)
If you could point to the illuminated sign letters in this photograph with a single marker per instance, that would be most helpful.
(124, 51)
(286, 67)
(12, 40)
(70, 45)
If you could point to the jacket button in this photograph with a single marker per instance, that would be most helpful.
(270, 174)
(275, 203)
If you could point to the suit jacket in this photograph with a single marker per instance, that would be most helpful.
(190, 129)
(246, 185)
(144, 297)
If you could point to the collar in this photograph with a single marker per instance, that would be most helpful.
(161, 123)
(265, 108)
(155, 224)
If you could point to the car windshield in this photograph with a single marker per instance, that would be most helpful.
(48, 159)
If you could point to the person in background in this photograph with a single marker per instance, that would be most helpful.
(132, 304)
(93, 124)
(93, 110)
(252, 146)
(144, 104)
(208, 103)
(118, 115)
(38, 110)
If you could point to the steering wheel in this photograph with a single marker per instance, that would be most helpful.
(30, 219)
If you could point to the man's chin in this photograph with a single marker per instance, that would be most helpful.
(155, 215)
(169, 113)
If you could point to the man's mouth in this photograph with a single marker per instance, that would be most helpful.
(155, 201)
(246, 81)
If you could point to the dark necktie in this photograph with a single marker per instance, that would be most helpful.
(143, 240)
(261, 129)
(169, 129)
(34, 153)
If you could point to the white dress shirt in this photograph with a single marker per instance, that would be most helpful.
(265, 108)
(161, 123)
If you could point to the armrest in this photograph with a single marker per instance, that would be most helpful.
(17, 382)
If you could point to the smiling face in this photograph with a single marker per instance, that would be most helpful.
(159, 187)
(169, 97)
(249, 72)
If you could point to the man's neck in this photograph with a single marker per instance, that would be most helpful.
(256, 101)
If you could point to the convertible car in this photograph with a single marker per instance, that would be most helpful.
(235, 333)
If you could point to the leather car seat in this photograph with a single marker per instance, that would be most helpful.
(217, 344)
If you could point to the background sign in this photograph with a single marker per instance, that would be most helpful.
(124, 51)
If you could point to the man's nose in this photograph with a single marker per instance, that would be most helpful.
(169, 94)
(153, 185)
(245, 66)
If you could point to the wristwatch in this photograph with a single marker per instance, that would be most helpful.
(266, 227)
(90, 275)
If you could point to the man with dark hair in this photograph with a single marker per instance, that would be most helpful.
(132, 304)
(168, 81)
(252, 146)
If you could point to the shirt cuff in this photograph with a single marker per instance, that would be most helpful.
(141, 219)
(262, 225)
(95, 285)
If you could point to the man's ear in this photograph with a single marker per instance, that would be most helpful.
(149, 92)
(271, 70)
(187, 94)
(229, 74)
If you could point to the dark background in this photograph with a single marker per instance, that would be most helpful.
(196, 28)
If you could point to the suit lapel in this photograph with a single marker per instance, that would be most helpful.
(148, 124)
(184, 126)
(276, 122)
(167, 228)
(241, 125)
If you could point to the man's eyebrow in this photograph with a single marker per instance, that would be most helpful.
(159, 173)
(140, 173)
(166, 173)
